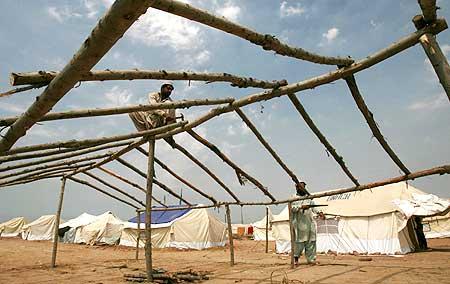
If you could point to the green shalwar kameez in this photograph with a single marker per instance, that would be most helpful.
(305, 230)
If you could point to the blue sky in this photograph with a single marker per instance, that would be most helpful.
(403, 92)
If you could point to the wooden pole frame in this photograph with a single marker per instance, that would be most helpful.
(292, 234)
(267, 229)
(138, 215)
(58, 219)
(148, 209)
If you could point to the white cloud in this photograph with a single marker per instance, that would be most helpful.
(331, 34)
(62, 14)
(287, 10)
(117, 97)
(230, 130)
(229, 11)
(7, 107)
(430, 103)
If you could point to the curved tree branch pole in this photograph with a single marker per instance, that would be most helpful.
(44, 77)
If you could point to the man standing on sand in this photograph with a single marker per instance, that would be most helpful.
(304, 226)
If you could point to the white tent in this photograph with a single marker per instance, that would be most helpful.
(13, 227)
(105, 228)
(259, 228)
(67, 230)
(40, 229)
(371, 221)
(437, 227)
(183, 229)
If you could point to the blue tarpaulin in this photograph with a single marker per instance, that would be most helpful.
(159, 217)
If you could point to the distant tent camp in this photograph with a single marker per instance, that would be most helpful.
(40, 229)
(105, 228)
(67, 231)
(437, 227)
(183, 229)
(259, 229)
(13, 227)
(371, 221)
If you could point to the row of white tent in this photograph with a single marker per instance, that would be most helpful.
(189, 229)
(372, 221)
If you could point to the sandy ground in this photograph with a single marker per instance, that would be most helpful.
(29, 262)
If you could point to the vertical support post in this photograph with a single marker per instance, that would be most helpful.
(267, 229)
(291, 229)
(230, 234)
(139, 233)
(58, 218)
(148, 209)
(438, 60)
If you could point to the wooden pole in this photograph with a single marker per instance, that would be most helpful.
(428, 8)
(441, 170)
(135, 185)
(292, 233)
(111, 27)
(166, 168)
(267, 42)
(33, 179)
(230, 235)
(94, 142)
(148, 209)
(44, 77)
(22, 89)
(204, 168)
(314, 82)
(301, 110)
(80, 181)
(226, 160)
(58, 219)
(46, 166)
(267, 229)
(368, 115)
(83, 150)
(160, 184)
(266, 145)
(114, 187)
(434, 52)
(7, 121)
(138, 215)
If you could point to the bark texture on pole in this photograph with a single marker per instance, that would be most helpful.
(368, 115)
(43, 77)
(267, 42)
(121, 110)
(292, 234)
(240, 172)
(339, 159)
(138, 215)
(230, 235)
(58, 219)
(148, 209)
(438, 60)
(111, 27)
(314, 82)
(429, 10)
(166, 168)
(267, 229)
(80, 181)
(267, 145)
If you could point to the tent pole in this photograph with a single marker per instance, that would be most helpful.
(148, 209)
(58, 218)
(267, 229)
(291, 229)
(139, 233)
(230, 235)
